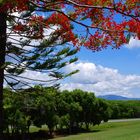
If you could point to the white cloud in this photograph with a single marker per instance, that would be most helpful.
(133, 43)
(93, 78)
(101, 80)
(31, 78)
(36, 78)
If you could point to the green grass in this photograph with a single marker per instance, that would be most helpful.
(109, 131)
(36, 129)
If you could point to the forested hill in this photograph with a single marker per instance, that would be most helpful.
(116, 97)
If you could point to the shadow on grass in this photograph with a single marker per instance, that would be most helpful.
(40, 135)
(43, 134)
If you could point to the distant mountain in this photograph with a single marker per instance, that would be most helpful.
(116, 97)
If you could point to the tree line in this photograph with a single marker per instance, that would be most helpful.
(61, 110)
(125, 109)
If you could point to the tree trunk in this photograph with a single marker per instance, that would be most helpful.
(87, 126)
(2, 61)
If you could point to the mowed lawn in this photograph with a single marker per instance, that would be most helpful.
(109, 131)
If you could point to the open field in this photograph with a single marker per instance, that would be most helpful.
(109, 131)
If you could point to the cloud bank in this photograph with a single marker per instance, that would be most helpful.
(101, 80)
(93, 78)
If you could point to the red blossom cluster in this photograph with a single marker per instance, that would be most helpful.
(18, 28)
(64, 26)
(102, 28)
(14, 5)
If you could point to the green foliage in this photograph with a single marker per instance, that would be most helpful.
(15, 116)
(39, 106)
(71, 110)
(125, 109)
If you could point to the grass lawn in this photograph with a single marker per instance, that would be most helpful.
(109, 131)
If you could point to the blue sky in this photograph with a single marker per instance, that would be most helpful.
(109, 71)
(126, 60)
